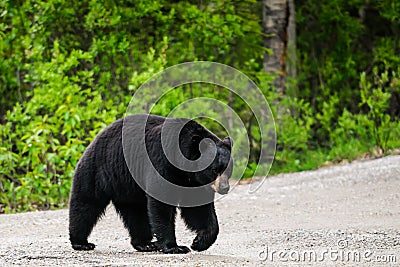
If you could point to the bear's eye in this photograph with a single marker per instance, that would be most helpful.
(215, 171)
(196, 139)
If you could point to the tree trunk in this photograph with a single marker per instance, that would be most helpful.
(291, 51)
(280, 34)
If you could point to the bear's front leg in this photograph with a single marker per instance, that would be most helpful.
(203, 221)
(162, 221)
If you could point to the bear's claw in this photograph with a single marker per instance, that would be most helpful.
(87, 246)
(203, 241)
(176, 250)
(147, 247)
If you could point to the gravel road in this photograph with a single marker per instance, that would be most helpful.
(334, 216)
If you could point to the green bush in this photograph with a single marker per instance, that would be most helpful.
(69, 69)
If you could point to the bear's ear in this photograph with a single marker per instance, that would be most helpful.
(228, 141)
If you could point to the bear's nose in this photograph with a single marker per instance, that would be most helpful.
(223, 188)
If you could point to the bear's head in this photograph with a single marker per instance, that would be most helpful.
(196, 141)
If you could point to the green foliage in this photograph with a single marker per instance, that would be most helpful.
(47, 132)
(69, 69)
(376, 97)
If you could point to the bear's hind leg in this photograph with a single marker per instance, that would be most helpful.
(136, 221)
(83, 215)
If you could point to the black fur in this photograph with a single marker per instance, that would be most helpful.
(102, 176)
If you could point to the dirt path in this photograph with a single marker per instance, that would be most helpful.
(342, 215)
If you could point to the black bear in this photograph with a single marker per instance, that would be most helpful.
(104, 175)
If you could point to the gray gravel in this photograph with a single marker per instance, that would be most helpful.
(334, 216)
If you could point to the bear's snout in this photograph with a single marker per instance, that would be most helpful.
(221, 185)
